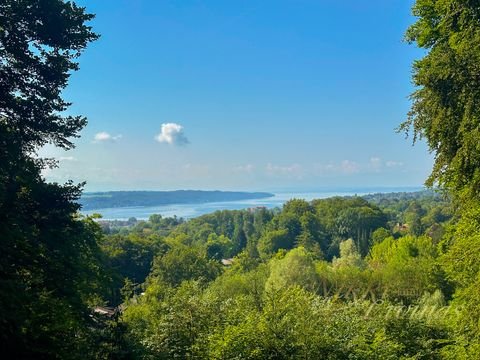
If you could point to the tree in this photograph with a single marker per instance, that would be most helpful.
(445, 109)
(349, 255)
(343, 218)
(359, 223)
(39, 42)
(184, 263)
(239, 239)
(169, 323)
(379, 235)
(295, 269)
(460, 262)
(405, 267)
(49, 268)
(129, 257)
(218, 247)
(446, 112)
(274, 240)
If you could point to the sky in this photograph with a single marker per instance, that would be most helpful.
(244, 95)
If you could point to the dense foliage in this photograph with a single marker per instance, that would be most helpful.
(50, 265)
(445, 107)
(446, 112)
(332, 278)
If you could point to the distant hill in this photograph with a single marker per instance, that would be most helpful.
(116, 199)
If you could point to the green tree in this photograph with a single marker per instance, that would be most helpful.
(295, 269)
(359, 223)
(218, 247)
(446, 112)
(169, 323)
(445, 108)
(349, 255)
(239, 239)
(343, 218)
(413, 218)
(184, 263)
(274, 240)
(407, 267)
(49, 265)
(379, 235)
(129, 257)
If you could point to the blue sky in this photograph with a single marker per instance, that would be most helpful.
(252, 95)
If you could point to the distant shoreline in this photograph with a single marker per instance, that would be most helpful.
(122, 199)
(189, 209)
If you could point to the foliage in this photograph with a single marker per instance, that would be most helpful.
(129, 257)
(290, 323)
(349, 255)
(446, 112)
(50, 265)
(297, 268)
(345, 218)
(184, 263)
(406, 268)
(445, 108)
(218, 247)
(289, 303)
(460, 261)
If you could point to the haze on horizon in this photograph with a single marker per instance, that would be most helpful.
(244, 96)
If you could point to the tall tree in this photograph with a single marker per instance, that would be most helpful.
(446, 104)
(446, 112)
(49, 257)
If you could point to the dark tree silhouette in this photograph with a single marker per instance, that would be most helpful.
(48, 263)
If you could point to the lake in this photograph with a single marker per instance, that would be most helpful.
(188, 211)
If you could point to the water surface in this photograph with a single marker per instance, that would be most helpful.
(188, 211)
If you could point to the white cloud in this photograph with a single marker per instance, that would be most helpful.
(196, 170)
(391, 163)
(349, 167)
(294, 170)
(103, 136)
(248, 168)
(323, 169)
(172, 134)
(375, 164)
(346, 167)
(67, 158)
